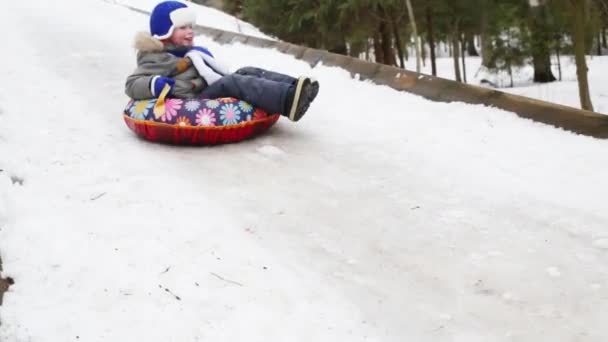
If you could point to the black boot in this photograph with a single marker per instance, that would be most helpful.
(299, 101)
(315, 89)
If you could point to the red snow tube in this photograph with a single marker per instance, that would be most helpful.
(197, 121)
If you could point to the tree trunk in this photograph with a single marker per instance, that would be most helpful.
(398, 42)
(386, 44)
(450, 45)
(464, 64)
(423, 51)
(339, 48)
(356, 48)
(579, 49)
(456, 51)
(471, 49)
(431, 38)
(541, 51)
(414, 32)
(510, 69)
(559, 62)
(486, 40)
(509, 60)
(378, 52)
(542, 68)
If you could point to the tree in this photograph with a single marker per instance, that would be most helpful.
(512, 32)
(541, 33)
(415, 33)
(509, 39)
(431, 35)
(487, 32)
(460, 19)
(579, 8)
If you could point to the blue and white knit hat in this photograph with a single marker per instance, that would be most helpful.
(168, 15)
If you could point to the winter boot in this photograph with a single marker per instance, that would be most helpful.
(315, 89)
(299, 101)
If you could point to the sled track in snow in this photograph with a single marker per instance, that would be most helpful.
(430, 87)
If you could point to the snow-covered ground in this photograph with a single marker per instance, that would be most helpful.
(564, 92)
(380, 216)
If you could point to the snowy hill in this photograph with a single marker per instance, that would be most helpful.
(564, 92)
(380, 216)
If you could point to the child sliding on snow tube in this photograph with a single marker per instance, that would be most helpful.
(167, 56)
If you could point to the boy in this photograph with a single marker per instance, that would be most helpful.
(167, 56)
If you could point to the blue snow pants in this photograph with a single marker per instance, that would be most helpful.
(261, 88)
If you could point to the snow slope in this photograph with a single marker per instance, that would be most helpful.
(380, 216)
(564, 92)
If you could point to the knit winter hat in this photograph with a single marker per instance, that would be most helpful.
(168, 15)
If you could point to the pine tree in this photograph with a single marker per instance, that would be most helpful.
(541, 33)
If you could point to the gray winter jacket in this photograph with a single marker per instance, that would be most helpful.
(154, 60)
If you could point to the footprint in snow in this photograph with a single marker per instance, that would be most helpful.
(17, 180)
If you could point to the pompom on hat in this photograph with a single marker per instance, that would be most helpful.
(167, 16)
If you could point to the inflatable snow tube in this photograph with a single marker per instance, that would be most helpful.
(197, 121)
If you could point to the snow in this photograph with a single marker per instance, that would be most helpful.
(380, 216)
(564, 92)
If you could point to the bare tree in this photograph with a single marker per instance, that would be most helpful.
(431, 36)
(579, 7)
(414, 32)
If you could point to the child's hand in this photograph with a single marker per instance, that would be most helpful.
(159, 82)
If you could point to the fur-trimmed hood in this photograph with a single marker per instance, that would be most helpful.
(144, 42)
